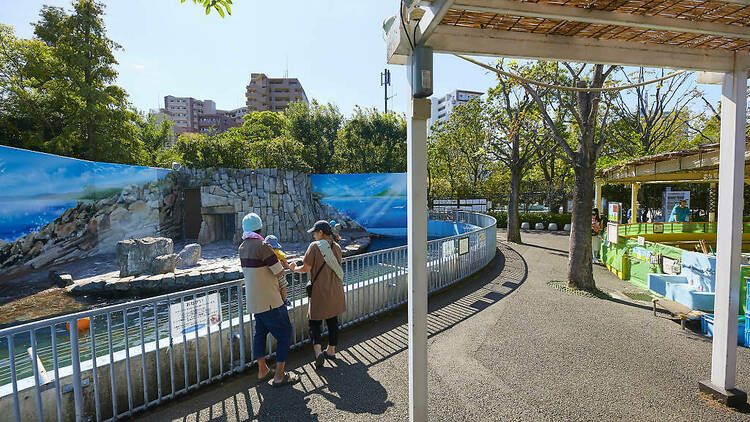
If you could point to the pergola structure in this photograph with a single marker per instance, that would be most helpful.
(707, 36)
(695, 165)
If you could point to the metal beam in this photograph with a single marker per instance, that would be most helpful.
(434, 14)
(486, 42)
(602, 17)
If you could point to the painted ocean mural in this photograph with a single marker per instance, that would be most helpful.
(376, 201)
(36, 188)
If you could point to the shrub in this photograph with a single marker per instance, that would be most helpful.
(532, 218)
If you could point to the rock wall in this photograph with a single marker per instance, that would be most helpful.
(283, 199)
(92, 228)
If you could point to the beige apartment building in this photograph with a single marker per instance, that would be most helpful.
(272, 94)
(199, 116)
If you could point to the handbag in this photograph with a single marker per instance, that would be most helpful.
(308, 286)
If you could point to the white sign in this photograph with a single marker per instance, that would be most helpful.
(671, 198)
(612, 234)
(641, 241)
(482, 240)
(463, 246)
(197, 314)
(448, 249)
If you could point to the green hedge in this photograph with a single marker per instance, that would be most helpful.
(532, 218)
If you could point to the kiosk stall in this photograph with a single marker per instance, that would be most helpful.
(674, 260)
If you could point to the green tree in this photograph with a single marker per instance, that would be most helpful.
(316, 126)
(27, 116)
(262, 125)
(515, 127)
(458, 149)
(97, 111)
(372, 142)
(221, 6)
(590, 111)
(154, 136)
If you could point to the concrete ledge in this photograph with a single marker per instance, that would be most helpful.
(731, 398)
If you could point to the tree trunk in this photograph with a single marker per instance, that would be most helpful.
(580, 273)
(514, 226)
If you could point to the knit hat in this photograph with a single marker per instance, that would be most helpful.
(252, 222)
(273, 241)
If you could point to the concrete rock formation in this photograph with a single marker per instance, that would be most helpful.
(136, 256)
(282, 198)
(164, 264)
(189, 255)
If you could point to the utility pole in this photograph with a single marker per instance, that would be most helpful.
(385, 80)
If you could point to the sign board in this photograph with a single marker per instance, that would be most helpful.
(641, 240)
(671, 198)
(612, 235)
(614, 213)
(192, 315)
(463, 246)
(448, 249)
(481, 240)
(669, 266)
(479, 205)
(658, 227)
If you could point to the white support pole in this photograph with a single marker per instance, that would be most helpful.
(729, 232)
(416, 179)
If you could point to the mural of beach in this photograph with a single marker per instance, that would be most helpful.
(37, 188)
(376, 201)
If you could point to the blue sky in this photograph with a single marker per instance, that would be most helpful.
(335, 48)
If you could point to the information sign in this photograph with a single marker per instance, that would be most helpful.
(192, 315)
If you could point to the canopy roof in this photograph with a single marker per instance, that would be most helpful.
(684, 34)
(688, 165)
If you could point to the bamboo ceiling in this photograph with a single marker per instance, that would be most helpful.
(719, 12)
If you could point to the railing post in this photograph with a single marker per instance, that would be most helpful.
(76, 362)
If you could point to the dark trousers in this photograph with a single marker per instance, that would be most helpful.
(276, 322)
(333, 330)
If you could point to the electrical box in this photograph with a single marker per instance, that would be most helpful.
(421, 72)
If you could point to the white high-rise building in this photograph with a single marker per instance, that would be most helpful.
(442, 107)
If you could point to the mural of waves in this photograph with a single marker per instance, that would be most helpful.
(37, 187)
(376, 201)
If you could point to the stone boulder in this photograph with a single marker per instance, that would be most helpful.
(135, 256)
(60, 279)
(189, 255)
(164, 264)
(552, 227)
(539, 226)
(525, 225)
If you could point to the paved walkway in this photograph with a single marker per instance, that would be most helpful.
(503, 346)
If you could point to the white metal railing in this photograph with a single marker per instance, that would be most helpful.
(130, 358)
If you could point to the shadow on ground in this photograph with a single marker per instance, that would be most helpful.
(346, 383)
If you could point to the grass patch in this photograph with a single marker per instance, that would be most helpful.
(562, 286)
(642, 296)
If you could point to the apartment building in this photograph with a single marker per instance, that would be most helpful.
(221, 120)
(198, 116)
(272, 94)
(443, 107)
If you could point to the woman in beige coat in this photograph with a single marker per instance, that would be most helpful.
(323, 262)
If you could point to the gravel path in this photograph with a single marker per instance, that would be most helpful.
(503, 346)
